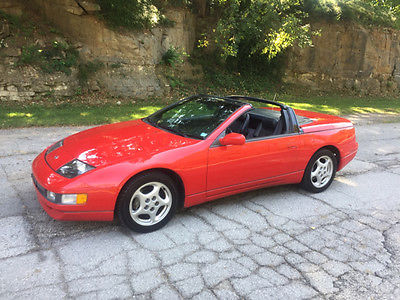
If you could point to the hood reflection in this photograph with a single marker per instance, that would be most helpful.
(115, 142)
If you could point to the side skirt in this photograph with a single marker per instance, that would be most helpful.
(291, 178)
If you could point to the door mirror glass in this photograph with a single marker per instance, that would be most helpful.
(232, 139)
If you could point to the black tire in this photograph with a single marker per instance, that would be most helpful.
(125, 198)
(309, 182)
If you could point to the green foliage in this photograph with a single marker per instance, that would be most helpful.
(88, 69)
(13, 20)
(173, 56)
(260, 28)
(138, 14)
(116, 65)
(252, 33)
(130, 14)
(222, 77)
(20, 25)
(57, 57)
(175, 82)
(55, 30)
(367, 12)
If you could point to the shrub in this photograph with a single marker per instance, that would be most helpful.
(366, 12)
(130, 14)
(53, 58)
(87, 69)
(13, 20)
(259, 30)
(173, 56)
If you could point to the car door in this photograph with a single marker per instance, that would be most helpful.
(257, 163)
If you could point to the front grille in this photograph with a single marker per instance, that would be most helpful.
(41, 189)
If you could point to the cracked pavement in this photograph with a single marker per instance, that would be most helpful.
(275, 243)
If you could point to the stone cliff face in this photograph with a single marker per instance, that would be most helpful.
(26, 82)
(345, 57)
(136, 54)
(348, 57)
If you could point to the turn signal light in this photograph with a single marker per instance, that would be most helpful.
(73, 198)
(81, 198)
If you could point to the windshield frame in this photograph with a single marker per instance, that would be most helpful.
(147, 119)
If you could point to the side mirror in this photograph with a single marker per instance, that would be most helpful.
(232, 138)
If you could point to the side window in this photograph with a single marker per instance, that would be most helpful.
(258, 123)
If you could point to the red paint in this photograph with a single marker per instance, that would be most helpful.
(233, 139)
(120, 151)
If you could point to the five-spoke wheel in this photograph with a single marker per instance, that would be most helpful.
(320, 171)
(150, 203)
(147, 202)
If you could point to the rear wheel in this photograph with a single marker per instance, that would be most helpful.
(148, 202)
(320, 171)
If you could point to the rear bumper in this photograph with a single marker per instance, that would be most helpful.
(44, 178)
(345, 160)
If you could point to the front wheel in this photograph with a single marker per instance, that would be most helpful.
(148, 202)
(320, 171)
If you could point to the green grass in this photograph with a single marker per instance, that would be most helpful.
(338, 105)
(14, 115)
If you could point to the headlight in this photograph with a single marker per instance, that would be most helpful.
(73, 198)
(51, 196)
(74, 168)
(55, 146)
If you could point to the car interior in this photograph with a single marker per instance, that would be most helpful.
(259, 122)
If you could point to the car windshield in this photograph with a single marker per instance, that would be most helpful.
(196, 117)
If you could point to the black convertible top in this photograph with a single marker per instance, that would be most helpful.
(241, 100)
(246, 98)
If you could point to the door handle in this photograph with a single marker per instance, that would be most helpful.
(292, 147)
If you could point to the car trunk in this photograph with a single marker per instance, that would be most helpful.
(313, 121)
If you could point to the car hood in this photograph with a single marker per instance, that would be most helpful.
(108, 144)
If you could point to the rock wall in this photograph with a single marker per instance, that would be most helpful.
(131, 59)
(12, 7)
(348, 57)
(28, 83)
(20, 82)
(345, 57)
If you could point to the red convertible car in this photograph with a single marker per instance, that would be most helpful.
(196, 150)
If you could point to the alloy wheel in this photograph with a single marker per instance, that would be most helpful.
(150, 203)
(322, 171)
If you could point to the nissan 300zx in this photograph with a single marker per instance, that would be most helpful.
(196, 150)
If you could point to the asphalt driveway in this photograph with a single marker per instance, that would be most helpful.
(278, 243)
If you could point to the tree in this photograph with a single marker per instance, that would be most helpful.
(260, 28)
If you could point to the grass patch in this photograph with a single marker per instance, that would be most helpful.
(72, 114)
(344, 105)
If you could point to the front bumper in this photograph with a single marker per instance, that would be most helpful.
(44, 178)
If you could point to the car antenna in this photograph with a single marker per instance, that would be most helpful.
(275, 97)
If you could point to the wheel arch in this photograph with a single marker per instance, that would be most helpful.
(172, 174)
(333, 149)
